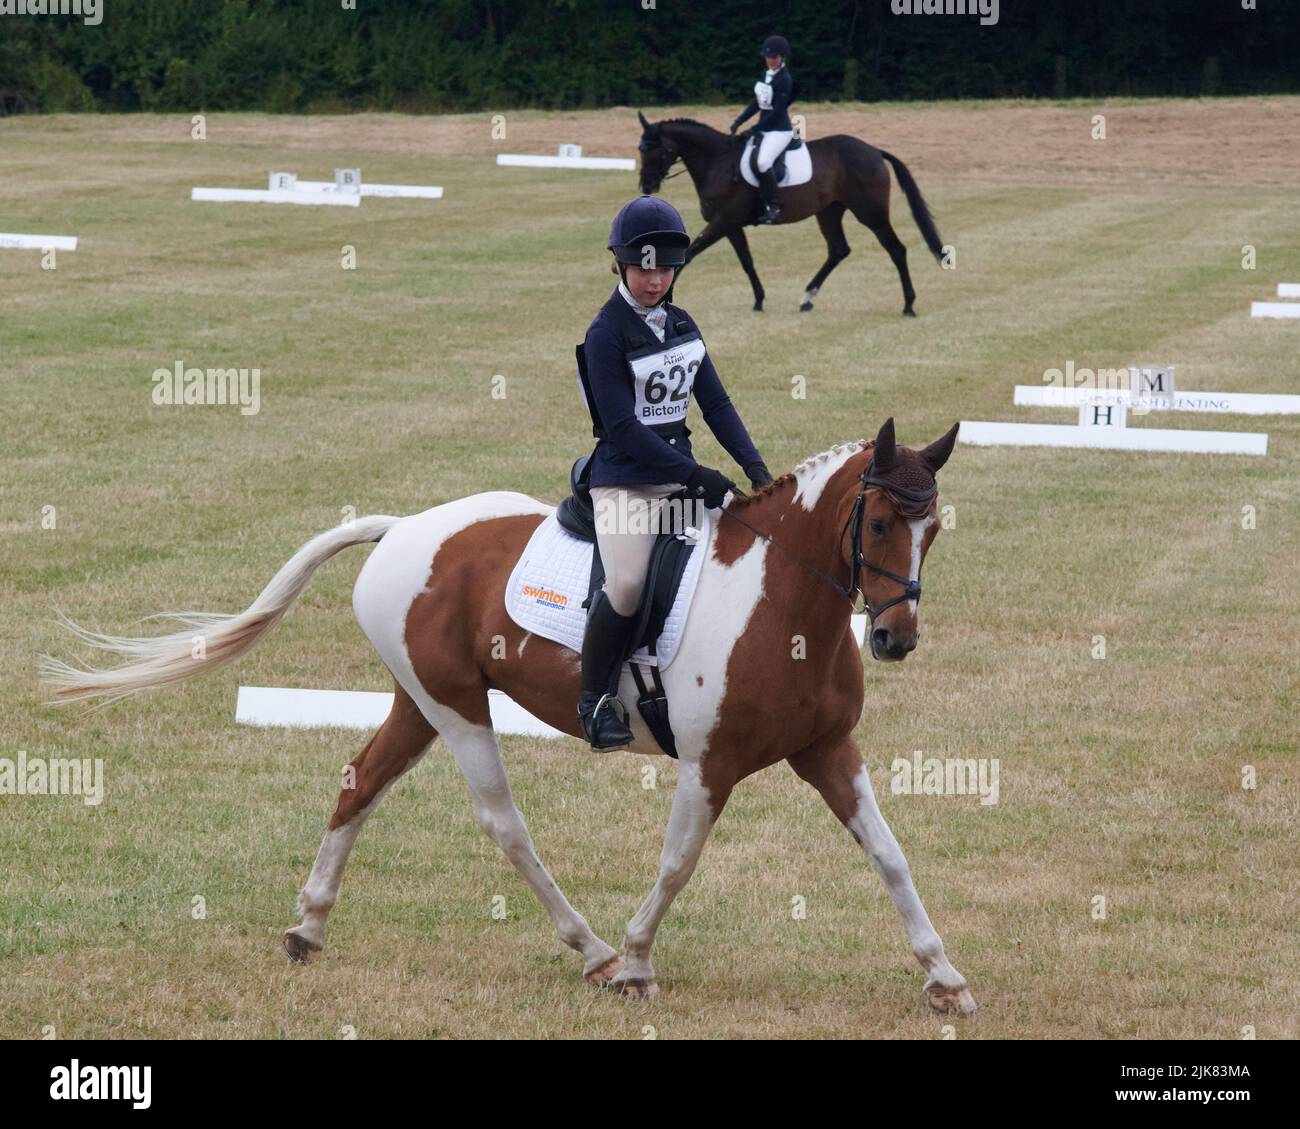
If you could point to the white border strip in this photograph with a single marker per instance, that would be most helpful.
(38, 242)
(982, 433)
(1288, 289)
(360, 709)
(266, 196)
(411, 191)
(531, 162)
(1275, 309)
(1235, 403)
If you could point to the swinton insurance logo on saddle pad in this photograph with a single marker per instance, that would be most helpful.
(546, 597)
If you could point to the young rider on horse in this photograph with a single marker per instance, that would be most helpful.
(772, 96)
(642, 359)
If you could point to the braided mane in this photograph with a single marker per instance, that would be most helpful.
(810, 463)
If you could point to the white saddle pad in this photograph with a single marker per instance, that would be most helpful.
(547, 587)
(798, 166)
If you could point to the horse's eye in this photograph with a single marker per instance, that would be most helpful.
(877, 527)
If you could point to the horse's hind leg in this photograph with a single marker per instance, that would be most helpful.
(831, 221)
(741, 245)
(877, 220)
(475, 748)
(395, 747)
(838, 773)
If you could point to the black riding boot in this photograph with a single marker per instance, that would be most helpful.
(604, 647)
(767, 189)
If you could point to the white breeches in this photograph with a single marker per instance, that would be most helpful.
(773, 146)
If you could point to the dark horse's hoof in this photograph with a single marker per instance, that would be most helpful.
(804, 307)
(909, 313)
(758, 307)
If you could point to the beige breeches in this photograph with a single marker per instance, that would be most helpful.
(627, 520)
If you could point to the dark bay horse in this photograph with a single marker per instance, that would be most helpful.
(847, 174)
(784, 565)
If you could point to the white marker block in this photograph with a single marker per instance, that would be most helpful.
(38, 242)
(531, 162)
(347, 180)
(413, 191)
(1275, 309)
(1228, 403)
(360, 709)
(1288, 289)
(570, 150)
(982, 433)
(266, 196)
(282, 181)
(1104, 411)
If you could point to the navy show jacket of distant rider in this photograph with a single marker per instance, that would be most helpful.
(634, 378)
(776, 117)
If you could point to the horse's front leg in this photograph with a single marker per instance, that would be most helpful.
(839, 774)
(741, 245)
(695, 810)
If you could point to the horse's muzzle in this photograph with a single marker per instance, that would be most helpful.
(888, 647)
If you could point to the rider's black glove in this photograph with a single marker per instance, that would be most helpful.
(758, 474)
(710, 486)
(735, 126)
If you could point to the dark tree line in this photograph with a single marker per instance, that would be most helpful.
(317, 55)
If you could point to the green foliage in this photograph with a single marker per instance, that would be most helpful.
(475, 54)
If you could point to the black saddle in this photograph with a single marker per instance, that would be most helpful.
(668, 560)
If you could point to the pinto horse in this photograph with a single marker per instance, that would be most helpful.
(847, 174)
(430, 600)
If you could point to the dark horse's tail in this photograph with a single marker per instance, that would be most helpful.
(920, 209)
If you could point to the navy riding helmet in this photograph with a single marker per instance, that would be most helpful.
(649, 221)
(776, 45)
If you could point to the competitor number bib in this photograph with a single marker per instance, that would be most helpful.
(662, 379)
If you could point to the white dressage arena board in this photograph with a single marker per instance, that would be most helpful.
(284, 196)
(984, 433)
(38, 242)
(1275, 309)
(406, 191)
(360, 709)
(1235, 403)
(528, 161)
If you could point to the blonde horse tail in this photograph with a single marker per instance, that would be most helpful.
(209, 641)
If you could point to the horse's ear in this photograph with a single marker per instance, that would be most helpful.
(645, 125)
(936, 454)
(885, 451)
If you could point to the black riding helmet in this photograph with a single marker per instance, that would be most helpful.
(649, 222)
(776, 45)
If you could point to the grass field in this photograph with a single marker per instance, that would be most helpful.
(1120, 777)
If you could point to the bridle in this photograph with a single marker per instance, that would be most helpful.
(666, 175)
(908, 502)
